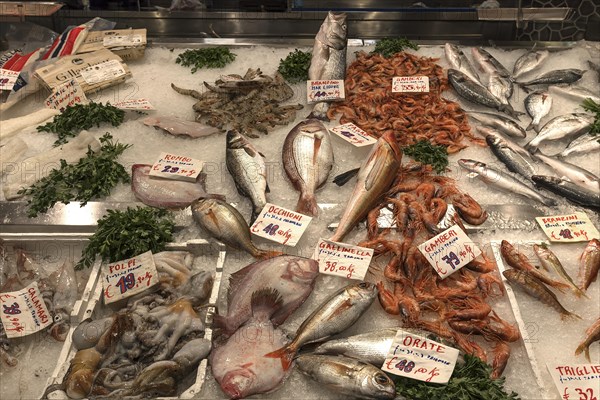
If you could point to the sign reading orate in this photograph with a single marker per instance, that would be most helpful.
(128, 277)
(280, 225)
(575, 227)
(67, 94)
(105, 71)
(325, 91)
(342, 259)
(416, 357)
(24, 311)
(8, 78)
(353, 134)
(449, 251)
(410, 84)
(173, 166)
(576, 381)
(135, 104)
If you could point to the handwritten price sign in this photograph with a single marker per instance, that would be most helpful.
(449, 251)
(280, 225)
(331, 90)
(342, 259)
(8, 78)
(353, 134)
(575, 227)
(416, 357)
(24, 311)
(410, 84)
(173, 166)
(67, 94)
(128, 277)
(576, 381)
(135, 104)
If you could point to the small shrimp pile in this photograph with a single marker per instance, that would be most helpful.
(371, 105)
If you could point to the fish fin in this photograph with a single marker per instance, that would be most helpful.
(286, 354)
(266, 254)
(201, 180)
(213, 217)
(343, 178)
(375, 171)
(569, 315)
(507, 108)
(262, 155)
(254, 216)
(307, 205)
(265, 302)
(531, 126)
(267, 189)
(549, 202)
(285, 311)
(235, 281)
(316, 148)
(523, 86)
(250, 151)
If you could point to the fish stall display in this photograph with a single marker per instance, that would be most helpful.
(261, 244)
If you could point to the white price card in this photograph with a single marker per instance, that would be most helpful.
(128, 277)
(419, 358)
(24, 311)
(135, 104)
(576, 381)
(8, 78)
(575, 227)
(449, 251)
(121, 40)
(280, 225)
(67, 94)
(410, 84)
(342, 259)
(105, 71)
(174, 166)
(353, 134)
(327, 90)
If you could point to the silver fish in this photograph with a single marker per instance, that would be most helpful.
(562, 127)
(247, 167)
(570, 191)
(488, 63)
(538, 105)
(337, 313)
(584, 144)
(307, 161)
(371, 347)
(515, 157)
(500, 122)
(176, 126)
(528, 62)
(503, 181)
(571, 172)
(574, 92)
(458, 60)
(553, 78)
(328, 56)
(495, 77)
(348, 376)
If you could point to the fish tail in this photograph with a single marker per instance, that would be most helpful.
(550, 202)
(343, 178)
(578, 292)
(583, 348)
(266, 254)
(524, 87)
(254, 215)
(307, 205)
(507, 108)
(286, 354)
(568, 315)
(531, 126)
(320, 111)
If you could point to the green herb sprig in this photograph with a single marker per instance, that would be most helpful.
(125, 234)
(93, 176)
(427, 153)
(470, 381)
(591, 106)
(389, 46)
(294, 68)
(211, 57)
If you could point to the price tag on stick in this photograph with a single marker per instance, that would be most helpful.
(342, 259)
(24, 311)
(576, 381)
(280, 225)
(575, 227)
(125, 278)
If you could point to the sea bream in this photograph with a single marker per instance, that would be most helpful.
(537, 105)
(590, 264)
(553, 78)
(584, 144)
(504, 124)
(328, 60)
(562, 127)
(307, 160)
(571, 172)
(176, 126)
(528, 62)
(570, 191)
(165, 193)
(458, 60)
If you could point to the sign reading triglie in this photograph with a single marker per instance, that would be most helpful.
(280, 225)
(327, 90)
(342, 259)
(24, 311)
(128, 277)
(576, 381)
(575, 227)
(178, 167)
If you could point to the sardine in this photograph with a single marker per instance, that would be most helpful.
(458, 60)
(376, 175)
(348, 376)
(223, 222)
(293, 277)
(515, 157)
(536, 289)
(328, 56)
(574, 92)
(177, 127)
(307, 161)
(503, 181)
(570, 191)
(247, 167)
(589, 264)
(337, 313)
(562, 127)
(584, 144)
(528, 62)
(571, 172)
(500, 122)
(548, 259)
(553, 78)
(538, 105)
(592, 334)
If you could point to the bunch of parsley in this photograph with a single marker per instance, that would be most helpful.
(591, 106)
(389, 46)
(294, 68)
(426, 153)
(210, 57)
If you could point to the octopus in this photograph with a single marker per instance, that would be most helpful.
(246, 103)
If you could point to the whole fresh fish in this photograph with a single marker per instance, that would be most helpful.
(590, 264)
(500, 122)
(337, 313)
(348, 376)
(519, 261)
(371, 347)
(496, 78)
(375, 176)
(328, 60)
(553, 78)
(568, 190)
(584, 144)
(548, 259)
(307, 161)
(503, 181)
(487, 63)
(562, 127)
(476, 93)
(458, 60)
(571, 172)
(528, 62)
(515, 157)
(165, 193)
(223, 222)
(247, 167)
(592, 334)
(536, 289)
(537, 105)
(239, 365)
(10, 127)
(293, 277)
(176, 126)
(574, 92)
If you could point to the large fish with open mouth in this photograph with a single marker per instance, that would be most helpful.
(165, 193)
(328, 60)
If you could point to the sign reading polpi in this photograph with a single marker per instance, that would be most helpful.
(342, 259)
(105, 71)
(8, 78)
(24, 311)
(410, 84)
(125, 278)
(575, 227)
(135, 104)
(449, 251)
(417, 357)
(326, 90)
(576, 381)
(353, 134)
(67, 94)
(280, 225)
(173, 166)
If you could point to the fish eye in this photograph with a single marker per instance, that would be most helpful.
(57, 318)
(363, 285)
(381, 379)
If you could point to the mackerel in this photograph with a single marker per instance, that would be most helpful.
(553, 78)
